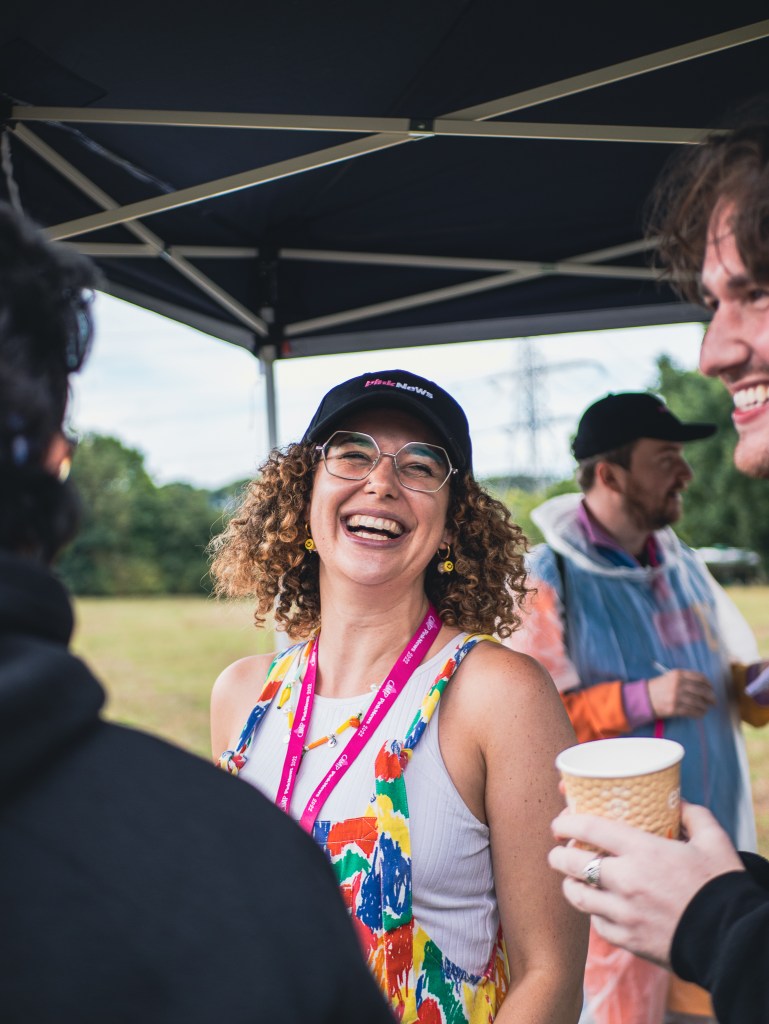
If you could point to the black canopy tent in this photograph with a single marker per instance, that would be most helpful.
(303, 179)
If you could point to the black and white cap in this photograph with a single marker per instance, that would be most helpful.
(401, 389)
(618, 419)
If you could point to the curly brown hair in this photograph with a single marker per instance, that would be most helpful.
(261, 553)
(728, 168)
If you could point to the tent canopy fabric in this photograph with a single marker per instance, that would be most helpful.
(304, 178)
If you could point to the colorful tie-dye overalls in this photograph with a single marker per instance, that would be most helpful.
(371, 856)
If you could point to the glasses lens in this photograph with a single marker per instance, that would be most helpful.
(79, 328)
(422, 467)
(350, 456)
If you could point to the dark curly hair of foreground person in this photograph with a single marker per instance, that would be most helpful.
(45, 334)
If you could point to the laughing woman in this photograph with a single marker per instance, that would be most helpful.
(417, 752)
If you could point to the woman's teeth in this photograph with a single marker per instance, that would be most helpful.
(374, 526)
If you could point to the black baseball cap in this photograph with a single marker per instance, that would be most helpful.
(416, 395)
(618, 419)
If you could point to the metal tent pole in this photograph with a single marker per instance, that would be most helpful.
(267, 354)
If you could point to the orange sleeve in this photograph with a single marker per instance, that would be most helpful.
(750, 710)
(596, 712)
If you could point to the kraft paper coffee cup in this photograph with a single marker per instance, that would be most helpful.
(630, 778)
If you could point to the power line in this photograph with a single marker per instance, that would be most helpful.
(528, 377)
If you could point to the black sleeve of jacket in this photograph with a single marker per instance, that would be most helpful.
(722, 943)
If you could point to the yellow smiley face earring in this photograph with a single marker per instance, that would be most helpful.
(444, 559)
(309, 544)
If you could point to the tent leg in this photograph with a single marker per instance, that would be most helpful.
(267, 355)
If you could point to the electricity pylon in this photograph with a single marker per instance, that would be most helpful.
(534, 420)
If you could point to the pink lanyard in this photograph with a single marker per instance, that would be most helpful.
(392, 686)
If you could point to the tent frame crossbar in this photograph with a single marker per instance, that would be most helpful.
(582, 265)
(614, 73)
(578, 268)
(442, 127)
(225, 186)
(152, 243)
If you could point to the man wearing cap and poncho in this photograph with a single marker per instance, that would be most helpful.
(640, 640)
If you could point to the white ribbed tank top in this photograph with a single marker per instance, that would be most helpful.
(453, 887)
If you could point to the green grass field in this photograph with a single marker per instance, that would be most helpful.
(158, 658)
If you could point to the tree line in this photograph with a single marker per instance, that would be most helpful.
(141, 538)
(137, 537)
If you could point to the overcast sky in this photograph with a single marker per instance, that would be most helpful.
(195, 406)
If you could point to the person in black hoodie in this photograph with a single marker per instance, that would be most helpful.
(137, 882)
(700, 906)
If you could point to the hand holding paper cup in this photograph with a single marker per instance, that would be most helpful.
(631, 778)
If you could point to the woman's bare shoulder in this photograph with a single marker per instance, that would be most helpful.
(244, 673)
(497, 685)
(492, 664)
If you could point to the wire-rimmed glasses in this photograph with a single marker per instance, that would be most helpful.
(78, 324)
(419, 466)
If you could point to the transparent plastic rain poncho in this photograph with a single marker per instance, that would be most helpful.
(631, 623)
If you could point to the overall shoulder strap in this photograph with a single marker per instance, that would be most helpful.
(289, 662)
(430, 703)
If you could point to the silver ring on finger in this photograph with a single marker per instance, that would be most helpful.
(591, 873)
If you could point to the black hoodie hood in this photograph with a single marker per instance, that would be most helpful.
(48, 697)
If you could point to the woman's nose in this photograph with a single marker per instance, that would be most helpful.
(383, 478)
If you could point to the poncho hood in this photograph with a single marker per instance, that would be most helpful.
(559, 522)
